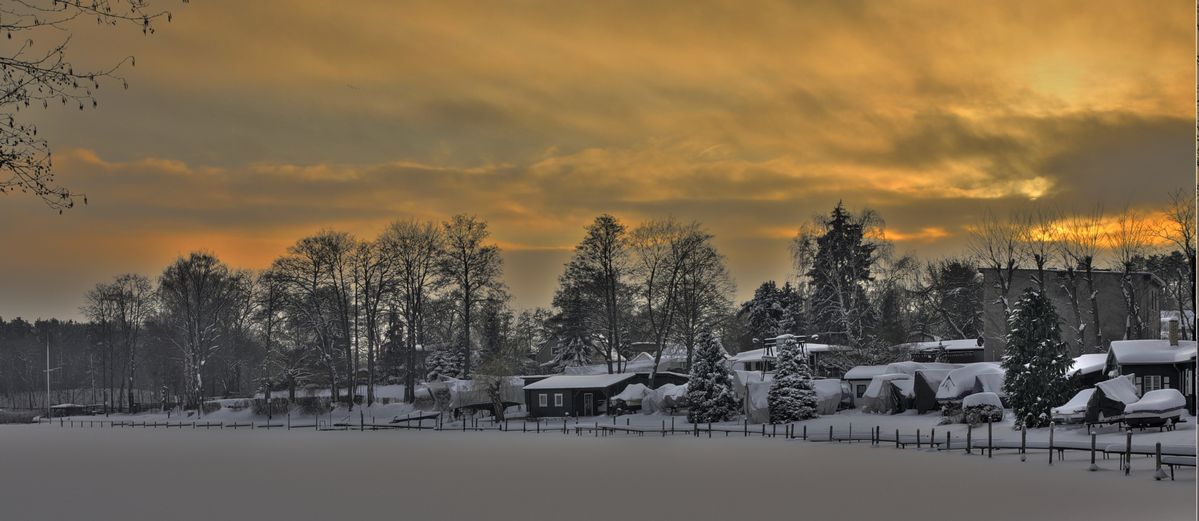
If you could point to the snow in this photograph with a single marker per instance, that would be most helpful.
(1158, 402)
(633, 393)
(260, 474)
(984, 376)
(978, 399)
(580, 381)
(865, 372)
(1152, 351)
(663, 398)
(1076, 407)
(949, 345)
(878, 383)
(1120, 389)
(1088, 364)
(910, 368)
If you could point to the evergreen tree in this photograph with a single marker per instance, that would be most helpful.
(1036, 360)
(791, 396)
(841, 260)
(441, 366)
(710, 391)
(573, 352)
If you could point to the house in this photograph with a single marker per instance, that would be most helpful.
(574, 395)
(965, 351)
(1109, 297)
(816, 353)
(1087, 370)
(1155, 364)
(586, 394)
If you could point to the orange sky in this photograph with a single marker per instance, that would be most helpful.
(249, 124)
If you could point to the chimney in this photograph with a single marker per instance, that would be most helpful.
(1173, 332)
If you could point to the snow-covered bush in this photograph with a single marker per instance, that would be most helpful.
(710, 395)
(976, 414)
(791, 396)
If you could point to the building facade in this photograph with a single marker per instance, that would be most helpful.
(1109, 295)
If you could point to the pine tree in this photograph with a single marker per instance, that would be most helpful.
(1036, 360)
(441, 366)
(574, 352)
(710, 391)
(791, 396)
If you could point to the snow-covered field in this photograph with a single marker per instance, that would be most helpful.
(62, 473)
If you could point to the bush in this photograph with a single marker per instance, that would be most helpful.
(977, 414)
(951, 412)
(313, 405)
(210, 407)
(276, 407)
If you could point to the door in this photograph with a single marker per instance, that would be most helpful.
(588, 404)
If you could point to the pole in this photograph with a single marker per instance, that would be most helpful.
(1051, 443)
(1094, 467)
(48, 374)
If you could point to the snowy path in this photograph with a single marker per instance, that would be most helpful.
(54, 473)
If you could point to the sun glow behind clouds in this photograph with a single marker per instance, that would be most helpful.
(537, 117)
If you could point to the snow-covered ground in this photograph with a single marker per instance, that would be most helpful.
(184, 474)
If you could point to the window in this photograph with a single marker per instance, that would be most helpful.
(1150, 383)
(557, 399)
(542, 399)
(861, 391)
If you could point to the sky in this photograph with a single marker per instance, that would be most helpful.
(248, 125)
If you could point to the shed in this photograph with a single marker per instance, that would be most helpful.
(575, 395)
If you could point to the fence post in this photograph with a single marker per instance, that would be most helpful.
(969, 437)
(1023, 443)
(918, 447)
(1051, 443)
(1157, 451)
(947, 443)
(709, 429)
(805, 432)
(1128, 453)
(1094, 467)
(746, 425)
(990, 442)
(830, 433)
(897, 438)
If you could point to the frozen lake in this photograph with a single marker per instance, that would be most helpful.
(134, 474)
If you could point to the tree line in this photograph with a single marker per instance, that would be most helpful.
(426, 300)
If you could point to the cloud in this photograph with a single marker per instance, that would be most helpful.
(248, 124)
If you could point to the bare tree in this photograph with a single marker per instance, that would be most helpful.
(35, 71)
(471, 268)
(705, 296)
(1179, 229)
(197, 293)
(997, 247)
(1129, 240)
(375, 269)
(416, 248)
(662, 250)
(1080, 248)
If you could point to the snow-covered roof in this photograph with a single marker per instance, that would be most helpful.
(911, 367)
(1087, 364)
(1152, 351)
(864, 372)
(753, 355)
(949, 345)
(572, 381)
(67, 406)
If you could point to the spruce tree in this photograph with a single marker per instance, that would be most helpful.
(791, 396)
(1036, 361)
(710, 390)
(440, 366)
